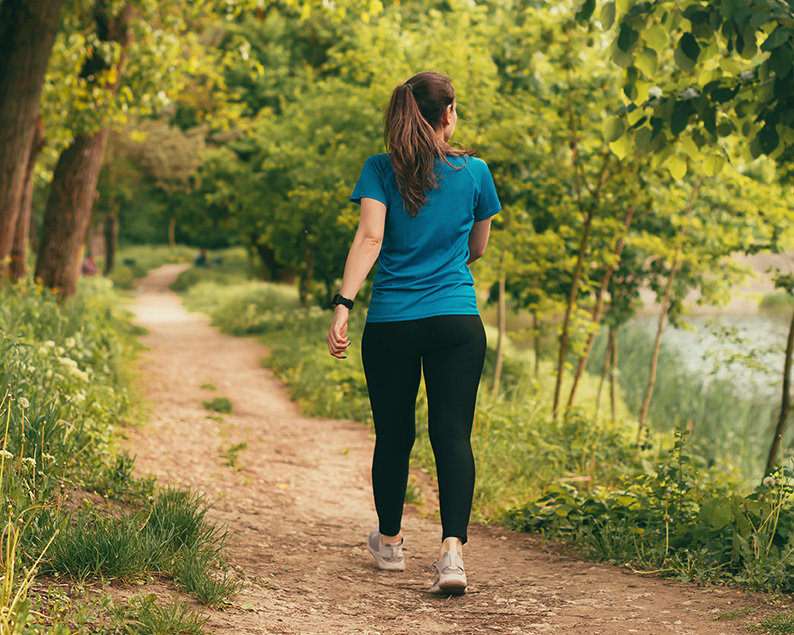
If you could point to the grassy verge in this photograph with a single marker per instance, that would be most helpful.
(71, 506)
(135, 261)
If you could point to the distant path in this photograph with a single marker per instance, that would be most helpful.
(300, 507)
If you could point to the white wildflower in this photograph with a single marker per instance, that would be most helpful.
(48, 457)
(69, 342)
(770, 482)
(23, 403)
(29, 462)
(6, 455)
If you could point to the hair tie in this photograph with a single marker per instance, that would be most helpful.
(411, 88)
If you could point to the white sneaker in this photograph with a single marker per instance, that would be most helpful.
(389, 557)
(451, 578)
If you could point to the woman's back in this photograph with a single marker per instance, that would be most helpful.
(422, 264)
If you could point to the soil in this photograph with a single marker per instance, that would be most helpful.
(297, 502)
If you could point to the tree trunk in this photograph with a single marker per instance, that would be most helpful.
(604, 370)
(172, 232)
(68, 212)
(27, 33)
(566, 324)
(75, 178)
(271, 268)
(19, 251)
(785, 404)
(502, 320)
(596, 317)
(111, 232)
(613, 376)
(307, 278)
(646, 403)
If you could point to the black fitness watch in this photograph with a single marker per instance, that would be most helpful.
(338, 299)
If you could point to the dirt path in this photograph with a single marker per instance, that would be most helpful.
(299, 508)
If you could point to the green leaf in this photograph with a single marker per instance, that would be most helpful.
(683, 62)
(769, 139)
(643, 138)
(782, 60)
(713, 164)
(608, 12)
(656, 37)
(586, 12)
(646, 61)
(677, 166)
(716, 512)
(680, 117)
(621, 147)
(779, 36)
(689, 45)
(613, 129)
(627, 37)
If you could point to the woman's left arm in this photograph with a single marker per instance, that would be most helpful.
(478, 239)
(363, 253)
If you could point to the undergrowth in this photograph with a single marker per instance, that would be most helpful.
(71, 504)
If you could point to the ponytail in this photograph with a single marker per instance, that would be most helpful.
(414, 112)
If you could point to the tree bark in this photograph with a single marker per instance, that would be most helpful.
(74, 181)
(27, 33)
(646, 402)
(69, 212)
(785, 404)
(19, 250)
(172, 232)
(596, 317)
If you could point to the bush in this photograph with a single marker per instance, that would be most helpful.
(679, 519)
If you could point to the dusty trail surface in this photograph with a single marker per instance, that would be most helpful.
(298, 505)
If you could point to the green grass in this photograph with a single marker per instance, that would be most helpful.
(135, 261)
(142, 615)
(777, 624)
(222, 405)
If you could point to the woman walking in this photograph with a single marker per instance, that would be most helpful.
(426, 211)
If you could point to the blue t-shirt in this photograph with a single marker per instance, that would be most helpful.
(422, 269)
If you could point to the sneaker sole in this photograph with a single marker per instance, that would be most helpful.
(454, 586)
(383, 565)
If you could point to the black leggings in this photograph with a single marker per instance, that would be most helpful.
(450, 349)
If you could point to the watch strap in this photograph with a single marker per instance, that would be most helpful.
(339, 299)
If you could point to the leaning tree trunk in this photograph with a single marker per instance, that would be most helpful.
(27, 33)
(74, 181)
(69, 212)
(19, 251)
(599, 305)
(785, 405)
(566, 323)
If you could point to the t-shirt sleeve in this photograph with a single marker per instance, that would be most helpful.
(369, 184)
(488, 203)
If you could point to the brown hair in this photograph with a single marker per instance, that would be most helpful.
(410, 122)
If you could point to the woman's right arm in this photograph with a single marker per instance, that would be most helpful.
(363, 253)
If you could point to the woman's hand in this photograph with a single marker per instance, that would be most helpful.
(337, 335)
